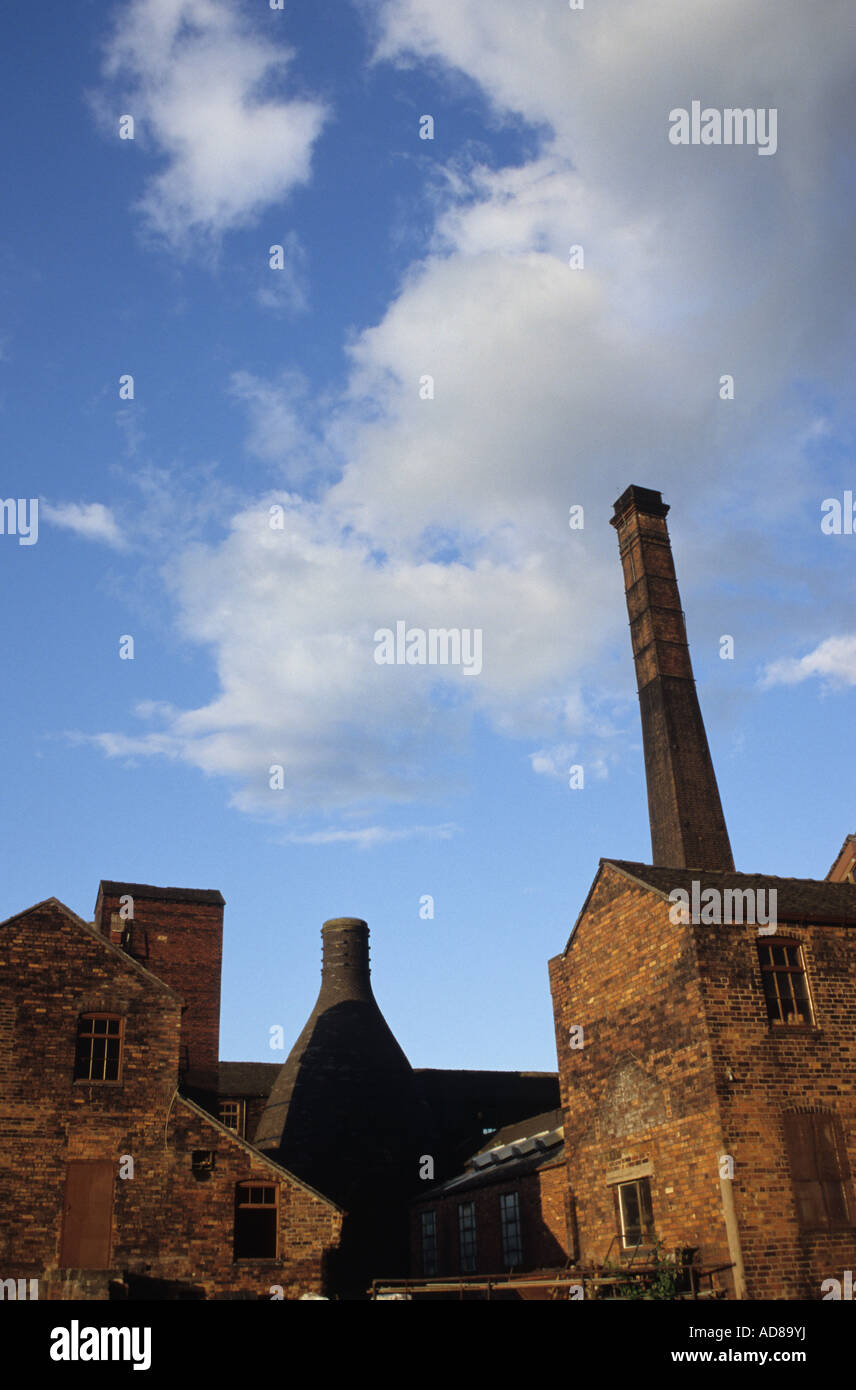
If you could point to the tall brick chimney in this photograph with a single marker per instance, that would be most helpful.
(687, 824)
(177, 934)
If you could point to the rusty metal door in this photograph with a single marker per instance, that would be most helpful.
(87, 1217)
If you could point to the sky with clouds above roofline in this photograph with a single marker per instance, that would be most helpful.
(392, 426)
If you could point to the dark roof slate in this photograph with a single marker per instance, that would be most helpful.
(797, 899)
(524, 1129)
(247, 1078)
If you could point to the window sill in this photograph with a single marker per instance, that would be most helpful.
(791, 1030)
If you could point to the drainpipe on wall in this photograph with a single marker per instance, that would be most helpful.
(726, 1187)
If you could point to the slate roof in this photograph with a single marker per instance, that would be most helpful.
(536, 1124)
(511, 1153)
(246, 1078)
(797, 899)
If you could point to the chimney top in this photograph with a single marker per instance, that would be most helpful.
(345, 969)
(642, 499)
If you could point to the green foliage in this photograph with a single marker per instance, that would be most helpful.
(657, 1284)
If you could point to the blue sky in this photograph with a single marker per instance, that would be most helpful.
(300, 388)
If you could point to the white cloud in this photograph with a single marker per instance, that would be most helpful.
(373, 835)
(280, 432)
(91, 520)
(833, 661)
(192, 73)
(552, 387)
(291, 615)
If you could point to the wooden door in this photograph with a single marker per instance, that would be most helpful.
(87, 1217)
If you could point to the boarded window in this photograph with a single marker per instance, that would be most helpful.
(819, 1170)
(87, 1218)
(256, 1221)
(99, 1048)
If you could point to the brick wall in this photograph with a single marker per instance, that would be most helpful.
(178, 935)
(778, 1069)
(641, 1089)
(167, 1224)
(669, 1012)
(543, 1223)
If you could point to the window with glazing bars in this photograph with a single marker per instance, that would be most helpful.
(635, 1216)
(256, 1211)
(509, 1219)
(785, 984)
(232, 1115)
(467, 1236)
(429, 1243)
(98, 1056)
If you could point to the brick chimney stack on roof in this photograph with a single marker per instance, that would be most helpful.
(687, 824)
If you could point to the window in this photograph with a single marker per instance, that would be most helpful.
(635, 1217)
(202, 1163)
(819, 1170)
(232, 1115)
(785, 984)
(256, 1211)
(509, 1218)
(99, 1048)
(429, 1242)
(467, 1236)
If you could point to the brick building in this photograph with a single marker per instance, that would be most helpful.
(111, 1173)
(127, 1161)
(707, 1073)
(508, 1210)
(706, 1045)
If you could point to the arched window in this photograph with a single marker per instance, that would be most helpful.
(99, 1048)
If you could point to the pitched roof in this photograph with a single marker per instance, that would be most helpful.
(247, 1078)
(104, 941)
(797, 899)
(846, 853)
(544, 1123)
(278, 1168)
(512, 1152)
